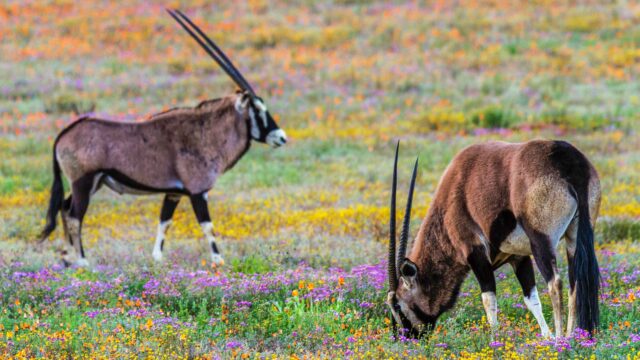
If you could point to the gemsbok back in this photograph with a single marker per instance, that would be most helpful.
(179, 152)
(500, 203)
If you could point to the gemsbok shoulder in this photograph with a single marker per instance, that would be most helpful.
(500, 203)
(179, 152)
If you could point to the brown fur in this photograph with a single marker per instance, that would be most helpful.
(485, 193)
(188, 146)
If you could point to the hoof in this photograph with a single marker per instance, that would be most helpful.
(217, 260)
(157, 256)
(82, 263)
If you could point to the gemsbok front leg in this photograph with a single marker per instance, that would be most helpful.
(481, 267)
(169, 205)
(523, 268)
(199, 203)
(80, 195)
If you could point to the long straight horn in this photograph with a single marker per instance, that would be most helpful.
(404, 234)
(238, 76)
(391, 266)
(218, 55)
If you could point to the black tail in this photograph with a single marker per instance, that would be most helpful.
(56, 200)
(575, 168)
(585, 268)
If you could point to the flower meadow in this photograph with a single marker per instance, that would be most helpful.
(304, 228)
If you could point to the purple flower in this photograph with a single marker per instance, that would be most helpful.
(233, 345)
(496, 344)
(366, 305)
(442, 345)
(634, 338)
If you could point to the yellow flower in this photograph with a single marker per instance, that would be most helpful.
(301, 284)
(310, 286)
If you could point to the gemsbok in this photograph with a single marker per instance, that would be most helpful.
(500, 203)
(179, 152)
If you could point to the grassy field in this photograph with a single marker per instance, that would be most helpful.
(303, 228)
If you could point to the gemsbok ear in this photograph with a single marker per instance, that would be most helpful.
(408, 272)
(242, 101)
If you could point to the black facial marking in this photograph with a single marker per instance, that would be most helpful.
(427, 320)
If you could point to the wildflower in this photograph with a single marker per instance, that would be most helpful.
(294, 293)
(496, 344)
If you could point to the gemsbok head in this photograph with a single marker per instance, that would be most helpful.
(500, 203)
(179, 152)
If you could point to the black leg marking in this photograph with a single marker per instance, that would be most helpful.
(214, 248)
(523, 267)
(482, 269)
(162, 245)
(81, 192)
(199, 204)
(169, 205)
(543, 253)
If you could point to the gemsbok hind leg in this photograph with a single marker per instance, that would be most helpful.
(523, 268)
(81, 192)
(169, 205)
(544, 253)
(199, 204)
(68, 243)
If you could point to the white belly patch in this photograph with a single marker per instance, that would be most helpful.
(121, 188)
(517, 243)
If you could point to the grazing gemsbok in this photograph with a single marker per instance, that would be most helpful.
(179, 152)
(499, 203)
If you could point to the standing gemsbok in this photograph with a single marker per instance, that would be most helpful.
(180, 152)
(500, 203)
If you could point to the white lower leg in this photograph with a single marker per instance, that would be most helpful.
(73, 227)
(535, 306)
(159, 245)
(207, 228)
(490, 307)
